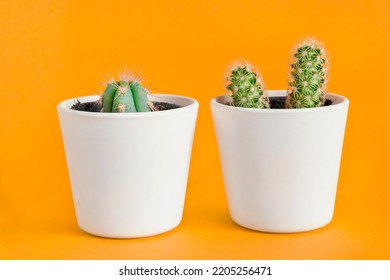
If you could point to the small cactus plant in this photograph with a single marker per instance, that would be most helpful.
(126, 95)
(308, 75)
(246, 86)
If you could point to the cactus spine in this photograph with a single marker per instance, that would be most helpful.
(247, 87)
(126, 95)
(308, 75)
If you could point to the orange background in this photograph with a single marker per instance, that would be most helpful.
(55, 50)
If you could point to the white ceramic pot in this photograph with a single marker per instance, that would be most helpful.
(280, 166)
(129, 171)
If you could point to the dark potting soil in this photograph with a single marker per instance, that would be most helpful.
(277, 102)
(96, 107)
(86, 106)
(162, 106)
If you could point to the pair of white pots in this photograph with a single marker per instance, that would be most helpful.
(129, 172)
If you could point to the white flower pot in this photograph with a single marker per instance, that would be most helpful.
(129, 171)
(280, 166)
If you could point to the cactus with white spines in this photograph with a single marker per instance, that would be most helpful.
(125, 95)
(308, 75)
(246, 86)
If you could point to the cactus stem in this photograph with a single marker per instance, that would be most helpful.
(308, 75)
(246, 86)
(120, 97)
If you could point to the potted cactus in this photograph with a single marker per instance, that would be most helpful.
(128, 155)
(280, 150)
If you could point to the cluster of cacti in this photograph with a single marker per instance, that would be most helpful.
(307, 85)
(125, 95)
(308, 75)
(247, 87)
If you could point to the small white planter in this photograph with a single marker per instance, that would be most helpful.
(280, 166)
(129, 171)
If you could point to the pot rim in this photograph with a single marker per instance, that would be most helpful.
(339, 102)
(64, 107)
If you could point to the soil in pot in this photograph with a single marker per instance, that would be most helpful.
(277, 102)
(96, 107)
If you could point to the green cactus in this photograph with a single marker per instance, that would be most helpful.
(247, 87)
(140, 97)
(308, 75)
(126, 95)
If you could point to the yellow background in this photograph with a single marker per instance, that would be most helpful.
(55, 50)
